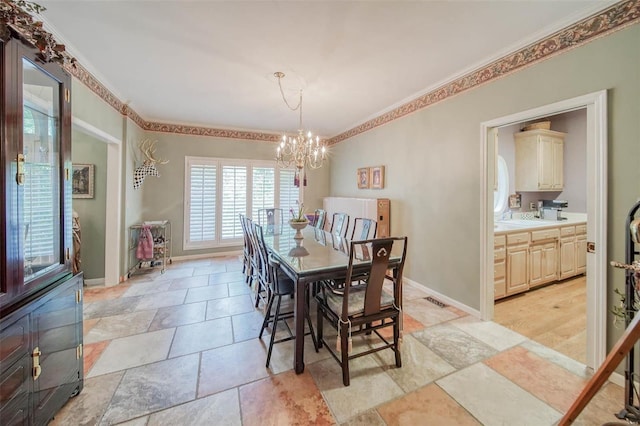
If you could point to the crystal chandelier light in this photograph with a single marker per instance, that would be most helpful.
(301, 150)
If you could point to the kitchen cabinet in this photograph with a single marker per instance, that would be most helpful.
(499, 267)
(517, 263)
(581, 249)
(573, 251)
(40, 299)
(568, 265)
(543, 256)
(526, 259)
(539, 160)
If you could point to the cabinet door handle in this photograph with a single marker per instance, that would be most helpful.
(20, 173)
(37, 369)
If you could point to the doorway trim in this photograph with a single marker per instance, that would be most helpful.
(596, 106)
(113, 197)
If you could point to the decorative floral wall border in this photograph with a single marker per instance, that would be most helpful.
(612, 19)
(603, 23)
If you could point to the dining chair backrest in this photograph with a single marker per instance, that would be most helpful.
(339, 224)
(379, 251)
(365, 226)
(271, 219)
(255, 256)
(321, 218)
(263, 254)
(269, 275)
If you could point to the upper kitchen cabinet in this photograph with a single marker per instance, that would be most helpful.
(539, 156)
(36, 162)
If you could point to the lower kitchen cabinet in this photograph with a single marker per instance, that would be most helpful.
(41, 355)
(499, 267)
(543, 263)
(517, 263)
(581, 249)
(527, 259)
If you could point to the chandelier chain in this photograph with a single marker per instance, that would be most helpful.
(301, 150)
(284, 98)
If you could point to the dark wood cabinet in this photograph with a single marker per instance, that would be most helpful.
(41, 364)
(36, 159)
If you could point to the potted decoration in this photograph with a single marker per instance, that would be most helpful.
(298, 221)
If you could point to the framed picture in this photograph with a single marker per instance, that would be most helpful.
(82, 181)
(515, 201)
(363, 177)
(377, 177)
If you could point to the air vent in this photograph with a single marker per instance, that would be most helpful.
(435, 302)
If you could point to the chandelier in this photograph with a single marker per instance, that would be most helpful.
(301, 150)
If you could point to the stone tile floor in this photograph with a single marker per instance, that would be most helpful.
(182, 348)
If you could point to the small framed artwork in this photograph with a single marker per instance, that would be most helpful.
(515, 201)
(82, 181)
(363, 178)
(377, 177)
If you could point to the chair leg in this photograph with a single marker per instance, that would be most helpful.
(258, 290)
(396, 340)
(267, 316)
(319, 339)
(344, 351)
(273, 329)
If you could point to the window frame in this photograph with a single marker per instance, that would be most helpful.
(219, 163)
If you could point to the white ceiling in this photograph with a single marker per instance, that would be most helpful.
(211, 63)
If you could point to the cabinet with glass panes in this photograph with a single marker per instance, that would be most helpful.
(40, 298)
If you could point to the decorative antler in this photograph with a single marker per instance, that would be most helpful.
(148, 148)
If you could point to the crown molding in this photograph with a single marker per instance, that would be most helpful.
(600, 24)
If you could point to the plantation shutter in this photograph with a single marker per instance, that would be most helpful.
(263, 189)
(289, 193)
(234, 200)
(202, 203)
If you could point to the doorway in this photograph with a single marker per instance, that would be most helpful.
(112, 200)
(596, 149)
(553, 314)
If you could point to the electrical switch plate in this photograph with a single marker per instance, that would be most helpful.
(532, 205)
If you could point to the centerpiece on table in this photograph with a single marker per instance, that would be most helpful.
(298, 221)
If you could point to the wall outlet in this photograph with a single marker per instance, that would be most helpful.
(533, 206)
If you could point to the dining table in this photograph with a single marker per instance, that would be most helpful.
(318, 256)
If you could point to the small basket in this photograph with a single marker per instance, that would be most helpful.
(540, 125)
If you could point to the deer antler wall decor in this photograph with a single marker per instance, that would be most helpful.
(148, 167)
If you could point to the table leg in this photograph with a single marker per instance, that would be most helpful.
(298, 356)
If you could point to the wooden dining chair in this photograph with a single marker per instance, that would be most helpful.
(261, 287)
(365, 226)
(321, 218)
(363, 307)
(247, 267)
(339, 224)
(279, 286)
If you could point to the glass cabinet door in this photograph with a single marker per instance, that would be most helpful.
(40, 171)
(36, 157)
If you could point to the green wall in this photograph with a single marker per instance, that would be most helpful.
(433, 160)
(92, 211)
(163, 197)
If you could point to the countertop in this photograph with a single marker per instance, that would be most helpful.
(519, 224)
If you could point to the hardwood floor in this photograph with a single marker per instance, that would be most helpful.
(554, 315)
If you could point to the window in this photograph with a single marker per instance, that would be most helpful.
(217, 191)
(289, 193)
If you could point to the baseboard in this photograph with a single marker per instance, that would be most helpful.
(617, 379)
(445, 299)
(94, 282)
(207, 255)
